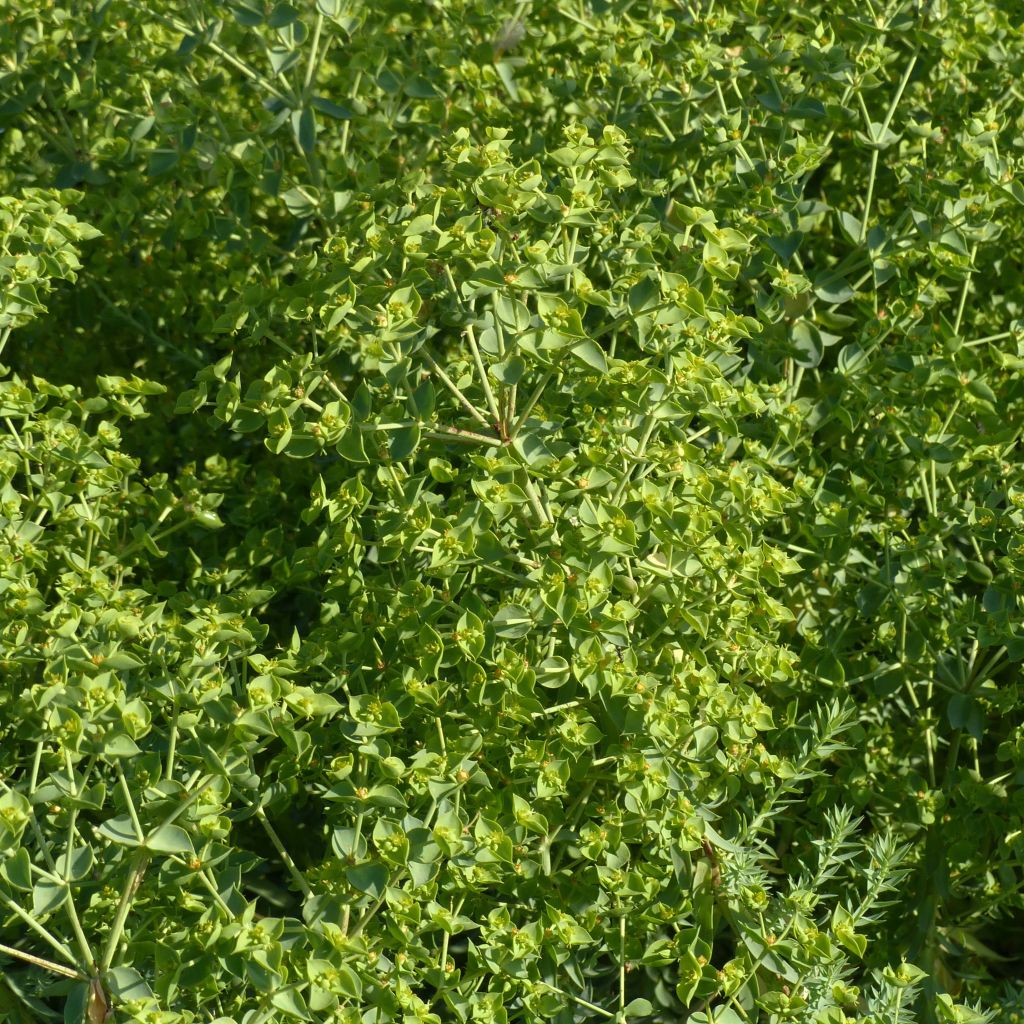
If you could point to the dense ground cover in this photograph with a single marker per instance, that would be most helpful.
(511, 512)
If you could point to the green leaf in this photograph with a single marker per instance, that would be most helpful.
(331, 109)
(808, 343)
(643, 295)
(638, 1008)
(786, 247)
(369, 878)
(832, 288)
(169, 839)
(162, 161)
(843, 925)
(120, 745)
(47, 897)
(419, 88)
(852, 359)
(510, 371)
(80, 863)
(404, 442)
(17, 870)
(590, 353)
(304, 129)
(121, 660)
(125, 983)
(119, 830)
(505, 74)
(512, 622)
(290, 1002)
(349, 983)
(76, 1003)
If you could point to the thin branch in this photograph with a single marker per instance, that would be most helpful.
(38, 961)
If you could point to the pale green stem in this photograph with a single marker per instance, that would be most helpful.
(32, 923)
(454, 434)
(455, 390)
(138, 869)
(72, 912)
(133, 814)
(531, 493)
(293, 870)
(580, 1002)
(314, 47)
(38, 961)
(531, 402)
(652, 424)
(485, 383)
(622, 960)
(172, 744)
(963, 293)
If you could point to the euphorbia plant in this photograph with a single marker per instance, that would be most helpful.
(515, 519)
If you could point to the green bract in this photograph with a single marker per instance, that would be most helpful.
(511, 512)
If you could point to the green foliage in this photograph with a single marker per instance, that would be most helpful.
(511, 512)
